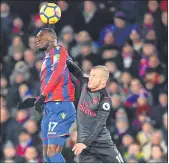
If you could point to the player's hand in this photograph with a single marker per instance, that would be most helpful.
(27, 103)
(39, 103)
(78, 148)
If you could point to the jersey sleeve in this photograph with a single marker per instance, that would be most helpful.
(101, 118)
(76, 71)
(57, 72)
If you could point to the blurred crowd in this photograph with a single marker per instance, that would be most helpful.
(129, 37)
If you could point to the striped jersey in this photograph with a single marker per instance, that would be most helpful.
(55, 77)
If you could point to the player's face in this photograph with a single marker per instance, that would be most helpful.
(94, 79)
(41, 41)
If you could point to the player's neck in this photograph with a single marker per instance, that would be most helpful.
(49, 50)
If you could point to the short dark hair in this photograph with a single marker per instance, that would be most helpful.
(50, 31)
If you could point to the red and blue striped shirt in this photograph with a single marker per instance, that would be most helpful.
(55, 77)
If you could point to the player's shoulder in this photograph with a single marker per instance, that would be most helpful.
(59, 46)
(85, 78)
(105, 94)
(105, 102)
(61, 49)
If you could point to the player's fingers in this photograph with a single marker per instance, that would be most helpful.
(74, 147)
(76, 151)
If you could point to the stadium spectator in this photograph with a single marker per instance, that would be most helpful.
(31, 155)
(3, 101)
(131, 59)
(87, 53)
(120, 29)
(127, 140)
(136, 90)
(136, 39)
(114, 72)
(124, 82)
(112, 53)
(138, 122)
(4, 86)
(122, 127)
(32, 128)
(6, 27)
(153, 8)
(32, 44)
(143, 106)
(157, 154)
(108, 38)
(145, 135)
(36, 25)
(67, 37)
(163, 41)
(25, 141)
(134, 10)
(10, 153)
(93, 19)
(163, 5)
(115, 89)
(6, 18)
(134, 153)
(147, 50)
(9, 126)
(160, 110)
(17, 46)
(116, 106)
(29, 58)
(71, 16)
(24, 91)
(157, 139)
(20, 74)
(17, 28)
(10, 63)
(22, 116)
(86, 66)
(156, 70)
(148, 24)
(80, 38)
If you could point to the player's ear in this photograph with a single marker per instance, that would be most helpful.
(53, 39)
(104, 81)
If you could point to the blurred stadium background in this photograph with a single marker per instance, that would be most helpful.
(129, 37)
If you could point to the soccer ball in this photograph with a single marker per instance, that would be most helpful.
(50, 13)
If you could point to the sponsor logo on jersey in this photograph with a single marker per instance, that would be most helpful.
(106, 106)
(63, 115)
(95, 100)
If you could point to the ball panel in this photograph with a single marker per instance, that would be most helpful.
(53, 20)
(43, 18)
(58, 12)
(49, 12)
(52, 5)
(42, 9)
